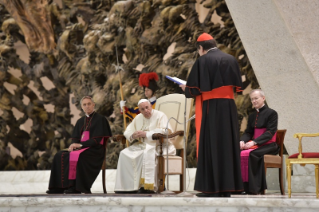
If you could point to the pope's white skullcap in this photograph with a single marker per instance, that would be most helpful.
(141, 101)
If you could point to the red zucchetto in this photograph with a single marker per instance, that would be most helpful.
(204, 37)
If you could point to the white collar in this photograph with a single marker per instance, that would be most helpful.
(211, 49)
(260, 108)
(89, 114)
(152, 99)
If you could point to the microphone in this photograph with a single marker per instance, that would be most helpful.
(191, 118)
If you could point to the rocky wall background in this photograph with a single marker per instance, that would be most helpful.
(72, 44)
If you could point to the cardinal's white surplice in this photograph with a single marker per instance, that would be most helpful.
(137, 165)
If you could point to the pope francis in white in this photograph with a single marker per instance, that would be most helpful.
(137, 165)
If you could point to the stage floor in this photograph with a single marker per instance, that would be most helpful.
(25, 191)
(156, 202)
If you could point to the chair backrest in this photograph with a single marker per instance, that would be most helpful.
(173, 105)
(280, 140)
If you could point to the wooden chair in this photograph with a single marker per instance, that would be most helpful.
(173, 105)
(303, 158)
(276, 161)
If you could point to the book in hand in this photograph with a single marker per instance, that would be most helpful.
(176, 80)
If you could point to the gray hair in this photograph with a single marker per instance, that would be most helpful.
(86, 97)
(257, 90)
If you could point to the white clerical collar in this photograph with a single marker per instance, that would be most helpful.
(89, 114)
(211, 49)
(260, 108)
(152, 99)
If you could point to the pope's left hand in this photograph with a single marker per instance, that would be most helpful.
(139, 134)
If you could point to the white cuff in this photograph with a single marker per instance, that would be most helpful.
(149, 135)
(131, 138)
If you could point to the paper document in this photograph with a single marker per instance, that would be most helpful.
(176, 80)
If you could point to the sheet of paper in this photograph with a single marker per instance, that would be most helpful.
(176, 80)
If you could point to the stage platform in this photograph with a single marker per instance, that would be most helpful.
(156, 203)
(25, 191)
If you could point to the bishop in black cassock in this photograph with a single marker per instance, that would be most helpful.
(212, 81)
(90, 160)
(258, 139)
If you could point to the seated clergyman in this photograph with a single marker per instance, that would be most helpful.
(258, 139)
(137, 165)
(75, 170)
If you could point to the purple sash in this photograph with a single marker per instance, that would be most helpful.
(74, 155)
(244, 154)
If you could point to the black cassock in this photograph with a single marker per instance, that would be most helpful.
(264, 118)
(89, 162)
(218, 164)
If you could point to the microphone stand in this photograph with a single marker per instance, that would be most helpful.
(167, 191)
(184, 193)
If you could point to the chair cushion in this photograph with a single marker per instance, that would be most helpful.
(174, 165)
(306, 155)
(272, 159)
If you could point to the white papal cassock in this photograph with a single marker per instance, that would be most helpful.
(137, 165)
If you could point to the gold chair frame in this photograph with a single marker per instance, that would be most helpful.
(302, 161)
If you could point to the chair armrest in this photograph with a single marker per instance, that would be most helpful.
(299, 136)
(161, 137)
(158, 136)
(119, 138)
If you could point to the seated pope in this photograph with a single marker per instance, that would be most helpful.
(258, 139)
(74, 170)
(137, 165)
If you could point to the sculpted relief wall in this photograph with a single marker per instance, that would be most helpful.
(54, 52)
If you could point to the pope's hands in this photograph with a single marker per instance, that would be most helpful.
(74, 146)
(139, 134)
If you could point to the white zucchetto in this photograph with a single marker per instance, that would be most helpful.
(141, 101)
